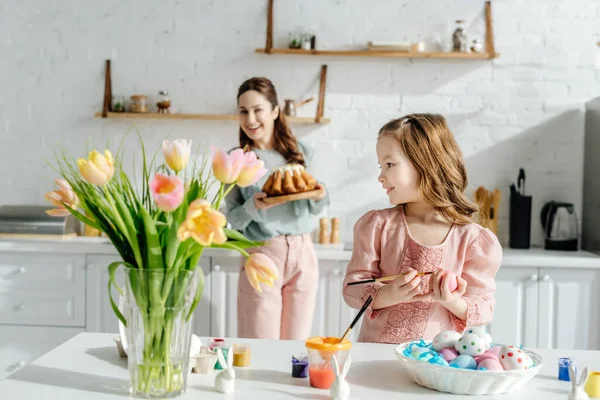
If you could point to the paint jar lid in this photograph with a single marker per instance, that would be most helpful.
(564, 362)
(327, 343)
(301, 358)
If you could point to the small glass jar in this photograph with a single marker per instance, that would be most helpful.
(241, 355)
(117, 104)
(138, 104)
(163, 101)
(320, 352)
(476, 46)
(459, 37)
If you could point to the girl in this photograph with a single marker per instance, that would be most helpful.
(430, 230)
(284, 311)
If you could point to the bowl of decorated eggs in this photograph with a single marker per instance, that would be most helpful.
(468, 363)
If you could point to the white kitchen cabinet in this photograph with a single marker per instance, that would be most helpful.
(99, 314)
(20, 345)
(548, 308)
(330, 309)
(42, 289)
(224, 276)
(516, 312)
(566, 314)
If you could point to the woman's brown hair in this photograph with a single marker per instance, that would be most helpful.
(284, 142)
(429, 144)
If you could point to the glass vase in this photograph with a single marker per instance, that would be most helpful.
(159, 326)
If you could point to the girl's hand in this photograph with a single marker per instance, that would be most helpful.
(407, 288)
(441, 293)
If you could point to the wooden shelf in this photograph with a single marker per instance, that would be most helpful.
(490, 49)
(380, 53)
(208, 117)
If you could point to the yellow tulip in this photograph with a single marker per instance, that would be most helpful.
(203, 223)
(177, 153)
(260, 268)
(98, 169)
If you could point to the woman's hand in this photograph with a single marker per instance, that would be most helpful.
(439, 282)
(260, 203)
(322, 192)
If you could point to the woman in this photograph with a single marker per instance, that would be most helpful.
(285, 310)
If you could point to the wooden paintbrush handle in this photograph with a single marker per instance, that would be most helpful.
(391, 278)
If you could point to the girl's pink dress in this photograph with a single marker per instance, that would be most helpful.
(383, 246)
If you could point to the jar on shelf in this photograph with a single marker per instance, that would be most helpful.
(459, 37)
(163, 102)
(138, 104)
(117, 104)
(476, 46)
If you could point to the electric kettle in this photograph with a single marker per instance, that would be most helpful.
(559, 221)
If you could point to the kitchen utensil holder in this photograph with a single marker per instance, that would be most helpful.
(520, 221)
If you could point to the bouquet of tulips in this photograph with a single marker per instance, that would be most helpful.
(160, 232)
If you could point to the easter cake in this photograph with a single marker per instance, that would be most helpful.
(289, 179)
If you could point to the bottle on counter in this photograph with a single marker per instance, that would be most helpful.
(335, 230)
(324, 231)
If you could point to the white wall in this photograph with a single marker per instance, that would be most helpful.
(522, 109)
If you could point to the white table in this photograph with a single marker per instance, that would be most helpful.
(88, 367)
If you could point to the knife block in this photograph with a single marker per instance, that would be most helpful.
(519, 221)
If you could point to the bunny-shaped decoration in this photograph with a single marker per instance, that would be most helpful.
(225, 380)
(340, 390)
(578, 391)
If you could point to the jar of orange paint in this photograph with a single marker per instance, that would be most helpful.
(320, 365)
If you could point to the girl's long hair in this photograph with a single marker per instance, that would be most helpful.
(429, 144)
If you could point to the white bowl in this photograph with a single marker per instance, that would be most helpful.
(466, 381)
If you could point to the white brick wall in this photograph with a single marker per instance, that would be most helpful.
(522, 109)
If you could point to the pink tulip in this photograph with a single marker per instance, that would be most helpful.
(167, 191)
(227, 167)
(63, 195)
(252, 170)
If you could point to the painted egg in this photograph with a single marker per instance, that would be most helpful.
(512, 357)
(422, 353)
(489, 354)
(452, 281)
(445, 339)
(482, 333)
(471, 345)
(494, 350)
(464, 361)
(529, 361)
(490, 364)
(448, 354)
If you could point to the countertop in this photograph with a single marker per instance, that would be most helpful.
(536, 257)
(88, 367)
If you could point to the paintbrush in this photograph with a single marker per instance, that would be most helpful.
(360, 313)
(387, 278)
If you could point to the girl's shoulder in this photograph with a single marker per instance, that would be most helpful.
(475, 235)
(377, 218)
